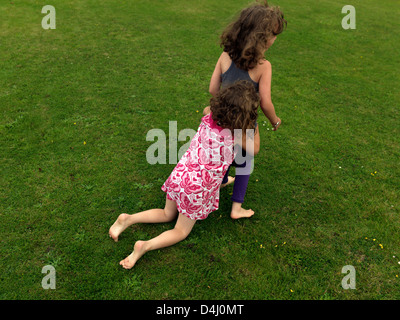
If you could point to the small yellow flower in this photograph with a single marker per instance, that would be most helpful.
(197, 110)
(373, 239)
(366, 238)
(397, 275)
(84, 142)
(381, 246)
(74, 122)
(291, 290)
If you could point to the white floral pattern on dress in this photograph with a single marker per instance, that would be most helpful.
(195, 181)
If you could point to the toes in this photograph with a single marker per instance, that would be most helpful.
(126, 264)
(112, 237)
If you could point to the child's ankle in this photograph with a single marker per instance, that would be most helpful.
(236, 207)
(238, 212)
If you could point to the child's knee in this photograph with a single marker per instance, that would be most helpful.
(170, 210)
(169, 214)
(182, 233)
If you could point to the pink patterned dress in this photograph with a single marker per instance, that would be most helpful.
(195, 181)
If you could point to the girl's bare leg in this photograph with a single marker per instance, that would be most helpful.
(182, 229)
(149, 216)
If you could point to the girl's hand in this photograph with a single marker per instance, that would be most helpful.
(276, 125)
(206, 110)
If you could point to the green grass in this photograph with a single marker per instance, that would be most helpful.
(113, 70)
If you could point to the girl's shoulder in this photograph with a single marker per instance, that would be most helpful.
(224, 56)
(260, 69)
(263, 65)
(225, 61)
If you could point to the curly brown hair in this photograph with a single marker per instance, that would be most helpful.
(245, 39)
(235, 106)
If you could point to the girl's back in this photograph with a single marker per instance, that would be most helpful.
(245, 41)
(231, 73)
(226, 72)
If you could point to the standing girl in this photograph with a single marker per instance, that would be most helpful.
(245, 42)
(192, 189)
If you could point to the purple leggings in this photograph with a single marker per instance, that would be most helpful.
(241, 179)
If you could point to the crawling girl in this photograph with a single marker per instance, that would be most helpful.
(192, 189)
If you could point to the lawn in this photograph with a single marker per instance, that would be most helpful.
(77, 102)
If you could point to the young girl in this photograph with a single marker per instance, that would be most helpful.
(192, 189)
(245, 42)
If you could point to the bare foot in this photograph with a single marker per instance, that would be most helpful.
(238, 212)
(138, 251)
(230, 180)
(242, 213)
(119, 225)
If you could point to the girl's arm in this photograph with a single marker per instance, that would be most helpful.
(251, 143)
(215, 81)
(265, 95)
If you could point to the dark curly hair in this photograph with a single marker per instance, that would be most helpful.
(235, 106)
(245, 39)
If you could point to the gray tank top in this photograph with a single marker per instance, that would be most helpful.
(234, 74)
